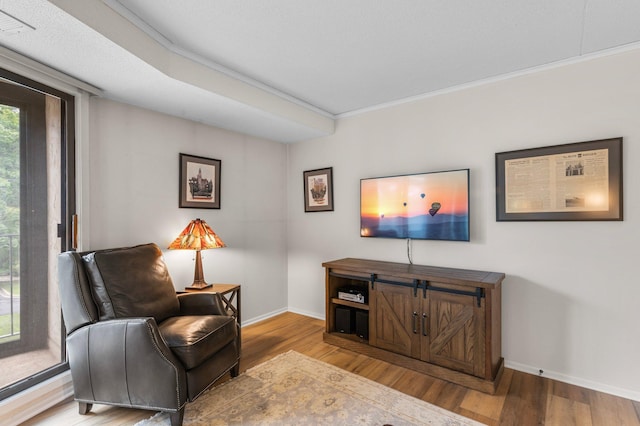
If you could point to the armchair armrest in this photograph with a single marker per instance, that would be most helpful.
(201, 304)
(126, 362)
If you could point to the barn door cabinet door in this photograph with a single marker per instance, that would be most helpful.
(393, 319)
(440, 328)
(456, 332)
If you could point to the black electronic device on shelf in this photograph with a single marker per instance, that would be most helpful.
(357, 294)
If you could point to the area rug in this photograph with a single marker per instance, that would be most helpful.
(293, 389)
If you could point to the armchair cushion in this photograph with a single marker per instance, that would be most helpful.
(193, 339)
(131, 282)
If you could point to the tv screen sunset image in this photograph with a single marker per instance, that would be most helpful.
(421, 206)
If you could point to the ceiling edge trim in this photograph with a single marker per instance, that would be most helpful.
(515, 74)
(167, 44)
(97, 15)
(37, 71)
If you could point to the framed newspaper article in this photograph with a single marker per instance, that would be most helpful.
(576, 181)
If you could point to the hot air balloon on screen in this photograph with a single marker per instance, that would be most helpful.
(434, 208)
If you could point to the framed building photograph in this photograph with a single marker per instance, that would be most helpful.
(576, 181)
(318, 190)
(199, 182)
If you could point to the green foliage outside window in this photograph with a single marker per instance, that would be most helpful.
(9, 188)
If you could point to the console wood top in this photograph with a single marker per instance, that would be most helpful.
(482, 279)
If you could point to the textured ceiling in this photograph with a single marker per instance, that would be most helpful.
(284, 69)
(343, 56)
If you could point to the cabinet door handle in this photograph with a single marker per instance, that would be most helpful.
(425, 330)
(415, 323)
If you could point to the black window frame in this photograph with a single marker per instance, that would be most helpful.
(68, 207)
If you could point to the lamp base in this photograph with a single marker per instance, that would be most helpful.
(198, 276)
(199, 286)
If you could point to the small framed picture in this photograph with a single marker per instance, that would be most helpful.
(318, 190)
(199, 182)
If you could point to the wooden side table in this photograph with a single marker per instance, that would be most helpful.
(230, 297)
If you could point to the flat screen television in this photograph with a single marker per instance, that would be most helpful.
(425, 206)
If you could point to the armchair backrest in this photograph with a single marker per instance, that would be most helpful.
(115, 283)
(78, 307)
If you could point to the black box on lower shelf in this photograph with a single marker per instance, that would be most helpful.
(345, 320)
(362, 324)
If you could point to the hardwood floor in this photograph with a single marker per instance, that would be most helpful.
(521, 399)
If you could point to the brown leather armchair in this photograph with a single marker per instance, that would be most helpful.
(132, 341)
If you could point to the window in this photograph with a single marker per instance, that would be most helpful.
(36, 204)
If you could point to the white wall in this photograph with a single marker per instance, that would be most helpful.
(570, 312)
(133, 199)
(570, 299)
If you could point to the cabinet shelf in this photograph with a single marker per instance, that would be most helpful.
(348, 337)
(440, 321)
(350, 304)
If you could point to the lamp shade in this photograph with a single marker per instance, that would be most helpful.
(197, 236)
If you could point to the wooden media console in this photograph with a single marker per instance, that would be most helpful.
(439, 321)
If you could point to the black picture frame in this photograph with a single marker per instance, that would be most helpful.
(579, 181)
(199, 182)
(318, 190)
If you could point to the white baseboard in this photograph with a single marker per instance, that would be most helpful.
(281, 311)
(307, 314)
(263, 317)
(33, 401)
(596, 386)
